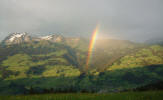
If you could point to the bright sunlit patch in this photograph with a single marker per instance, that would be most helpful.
(91, 45)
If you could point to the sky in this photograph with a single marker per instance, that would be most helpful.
(135, 20)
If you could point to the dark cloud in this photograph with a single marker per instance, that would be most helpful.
(128, 19)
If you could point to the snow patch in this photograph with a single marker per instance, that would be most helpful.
(47, 37)
(16, 35)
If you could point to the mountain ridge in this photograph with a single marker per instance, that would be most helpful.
(17, 38)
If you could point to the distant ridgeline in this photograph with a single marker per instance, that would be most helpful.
(55, 63)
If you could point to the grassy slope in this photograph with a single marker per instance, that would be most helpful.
(45, 59)
(38, 60)
(152, 55)
(113, 96)
(47, 65)
(105, 51)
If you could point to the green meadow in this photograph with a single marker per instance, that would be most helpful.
(150, 95)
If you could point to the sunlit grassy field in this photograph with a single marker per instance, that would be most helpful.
(112, 96)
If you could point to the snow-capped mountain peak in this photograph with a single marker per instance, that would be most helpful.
(16, 35)
(16, 38)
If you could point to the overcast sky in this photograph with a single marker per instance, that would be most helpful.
(137, 20)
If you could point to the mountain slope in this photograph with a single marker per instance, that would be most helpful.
(58, 63)
(37, 59)
(152, 55)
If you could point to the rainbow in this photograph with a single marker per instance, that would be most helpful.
(91, 45)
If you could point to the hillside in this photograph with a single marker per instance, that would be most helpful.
(152, 55)
(57, 64)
